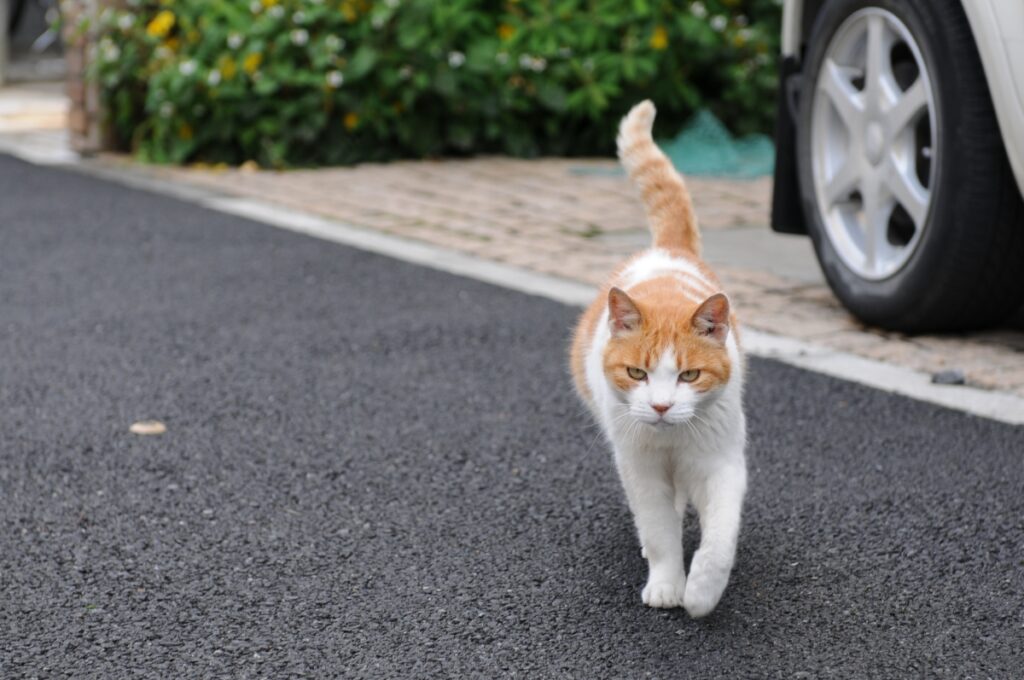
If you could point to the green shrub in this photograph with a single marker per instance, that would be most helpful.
(298, 82)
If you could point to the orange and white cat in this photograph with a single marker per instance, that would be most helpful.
(657, 361)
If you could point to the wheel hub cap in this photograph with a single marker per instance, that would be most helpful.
(873, 143)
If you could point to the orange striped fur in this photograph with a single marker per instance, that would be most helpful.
(667, 200)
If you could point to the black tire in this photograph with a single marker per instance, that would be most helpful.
(967, 271)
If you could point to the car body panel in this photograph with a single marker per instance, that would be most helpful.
(998, 27)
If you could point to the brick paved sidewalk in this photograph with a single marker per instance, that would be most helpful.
(578, 218)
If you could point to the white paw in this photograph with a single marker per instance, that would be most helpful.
(664, 594)
(700, 601)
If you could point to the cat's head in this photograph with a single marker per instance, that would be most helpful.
(666, 355)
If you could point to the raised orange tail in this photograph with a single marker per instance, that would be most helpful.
(666, 198)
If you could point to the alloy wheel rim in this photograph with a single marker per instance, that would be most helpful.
(873, 143)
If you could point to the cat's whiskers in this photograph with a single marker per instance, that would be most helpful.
(600, 432)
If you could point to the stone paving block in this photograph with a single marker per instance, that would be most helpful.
(853, 341)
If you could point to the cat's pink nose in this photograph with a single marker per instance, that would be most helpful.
(661, 408)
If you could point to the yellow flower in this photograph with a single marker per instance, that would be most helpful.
(351, 120)
(252, 62)
(269, 3)
(348, 9)
(161, 24)
(659, 39)
(185, 131)
(228, 67)
(505, 32)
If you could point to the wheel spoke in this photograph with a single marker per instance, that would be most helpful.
(876, 221)
(905, 112)
(842, 182)
(909, 193)
(878, 67)
(840, 91)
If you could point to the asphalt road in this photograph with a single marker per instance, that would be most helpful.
(377, 470)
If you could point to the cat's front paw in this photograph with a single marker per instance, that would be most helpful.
(699, 600)
(664, 594)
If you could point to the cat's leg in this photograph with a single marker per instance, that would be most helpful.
(680, 503)
(651, 496)
(719, 503)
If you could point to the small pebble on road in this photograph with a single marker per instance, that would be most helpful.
(950, 377)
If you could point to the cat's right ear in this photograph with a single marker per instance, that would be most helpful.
(623, 315)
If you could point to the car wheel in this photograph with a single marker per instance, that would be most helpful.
(910, 201)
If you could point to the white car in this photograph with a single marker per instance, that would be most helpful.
(900, 151)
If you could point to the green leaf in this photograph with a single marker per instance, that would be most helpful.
(361, 63)
(552, 96)
(445, 82)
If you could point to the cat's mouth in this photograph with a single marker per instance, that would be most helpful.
(665, 422)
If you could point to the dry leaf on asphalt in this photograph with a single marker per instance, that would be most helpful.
(148, 427)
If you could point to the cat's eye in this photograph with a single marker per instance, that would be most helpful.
(636, 373)
(689, 376)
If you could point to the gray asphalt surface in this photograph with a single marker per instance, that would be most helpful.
(377, 470)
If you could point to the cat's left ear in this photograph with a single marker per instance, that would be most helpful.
(711, 320)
